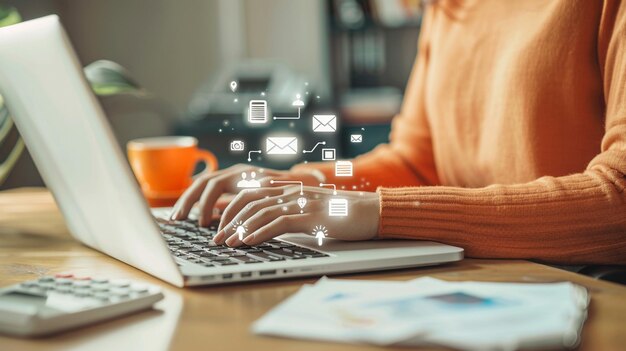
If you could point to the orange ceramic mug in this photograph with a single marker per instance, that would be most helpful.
(164, 166)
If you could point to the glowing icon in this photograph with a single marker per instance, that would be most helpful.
(343, 169)
(324, 123)
(240, 230)
(281, 146)
(314, 147)
(245, 183)
(329, 154)
(356, 138)
(233, 86)
(338, 207)
(237, 145)
(257, 111)
(320, 234)
(298, 102)
(251, 152)
(301, 202)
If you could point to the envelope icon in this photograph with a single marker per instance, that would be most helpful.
(356, 138)
(324, 123)
(281, 146)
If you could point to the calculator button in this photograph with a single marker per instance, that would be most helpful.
(63, 281)
(63, 275)
(100, 287)
(99, 280)
(101, 295)
(81, 284)
(46, 286)
(64, 289)
(138, 288)
(46, 279)
(120, 291)
(36, 291)
(82, 293)
(120, 283)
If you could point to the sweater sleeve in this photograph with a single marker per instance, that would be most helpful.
(579, 218)
(408, 159)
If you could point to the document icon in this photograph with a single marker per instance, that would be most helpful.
(343, 169)
(257, 111)
(281, 146)
(356, 138)
(324, 123)
(338, 207)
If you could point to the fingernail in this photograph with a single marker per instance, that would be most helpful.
(247, 240)
(218, 238)
(231, 240)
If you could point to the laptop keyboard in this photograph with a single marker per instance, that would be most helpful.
(190, 242)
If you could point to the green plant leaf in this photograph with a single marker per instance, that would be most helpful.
(9, 16)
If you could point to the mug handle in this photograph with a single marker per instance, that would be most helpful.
(208, 158)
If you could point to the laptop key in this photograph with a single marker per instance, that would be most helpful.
(265, 256)
(281, 252)
(246, 259)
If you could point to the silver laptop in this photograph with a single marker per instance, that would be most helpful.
(75, 151)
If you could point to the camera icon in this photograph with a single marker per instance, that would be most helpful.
(237, 145)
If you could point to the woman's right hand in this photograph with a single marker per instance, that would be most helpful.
(209, 186)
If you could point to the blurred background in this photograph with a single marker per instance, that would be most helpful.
(162, 67)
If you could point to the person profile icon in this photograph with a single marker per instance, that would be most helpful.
(245, 183)
(298, 101)
(253, 183)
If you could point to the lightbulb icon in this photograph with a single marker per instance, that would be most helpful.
(240, 229)
(320, 233)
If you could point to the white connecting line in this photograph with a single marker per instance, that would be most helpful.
(333, 185)
(250, 152)
(314, 147)
(289, 182)
(290, 117)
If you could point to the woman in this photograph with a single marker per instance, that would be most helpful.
(511, 143)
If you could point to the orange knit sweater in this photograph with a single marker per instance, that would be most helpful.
(511, 141)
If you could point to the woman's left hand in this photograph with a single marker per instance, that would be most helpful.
(264, 213)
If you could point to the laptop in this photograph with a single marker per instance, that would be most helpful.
(78, 157)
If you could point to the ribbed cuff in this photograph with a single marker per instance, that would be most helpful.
(422, 213)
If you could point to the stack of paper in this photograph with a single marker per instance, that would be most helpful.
(462, 315)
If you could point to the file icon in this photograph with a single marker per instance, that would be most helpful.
(338, 207)
(257, 111)
(324, 123)
(343, 169)
(356, 138)
(281, 145)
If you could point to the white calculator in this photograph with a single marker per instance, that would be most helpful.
(55, 303)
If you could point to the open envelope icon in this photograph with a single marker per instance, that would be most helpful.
(281, 146)
(324, 123)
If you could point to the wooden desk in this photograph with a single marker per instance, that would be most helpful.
(34, 241)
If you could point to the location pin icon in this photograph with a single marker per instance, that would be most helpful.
(301, 202)
(233, 86)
